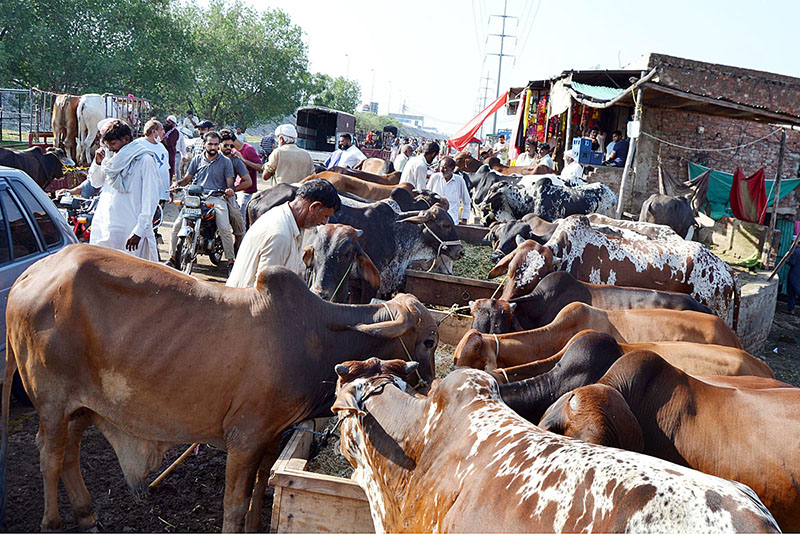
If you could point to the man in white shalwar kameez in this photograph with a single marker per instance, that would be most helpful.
(128, 174)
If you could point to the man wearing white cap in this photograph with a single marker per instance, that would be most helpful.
(572, 175)
(171, 141)
(288, 163)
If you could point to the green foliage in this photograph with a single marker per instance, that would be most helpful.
(335, 93)
(231, 63)
(370, 121)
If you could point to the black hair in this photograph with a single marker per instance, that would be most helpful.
(616, 132)
(545, 146)
(531, 142)
(190, 111)
(348, 137)
(322, 191)
(430, 147)
(211, 133)
(116, 130)
(226, 134)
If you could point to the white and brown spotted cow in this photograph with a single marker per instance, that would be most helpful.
(592, 256)
(461, 460)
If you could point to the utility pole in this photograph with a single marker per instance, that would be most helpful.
(500, 56)
(485, 89)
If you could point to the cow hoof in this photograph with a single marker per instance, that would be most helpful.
(139, 490)
(50, 526)
(88, 522)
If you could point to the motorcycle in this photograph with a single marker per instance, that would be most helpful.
(78, 212)
(198, 233)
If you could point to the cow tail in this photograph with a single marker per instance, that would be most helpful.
(8, 378)
(737, 295)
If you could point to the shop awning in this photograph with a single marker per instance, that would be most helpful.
(597, 92)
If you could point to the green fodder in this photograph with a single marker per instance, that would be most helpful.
(476, 262)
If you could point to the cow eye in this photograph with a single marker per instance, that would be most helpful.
(429, 343)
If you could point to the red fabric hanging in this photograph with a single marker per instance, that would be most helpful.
(467, 132)
(749, 196)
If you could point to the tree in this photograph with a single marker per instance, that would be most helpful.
(252, 65)
(370, 121)
(336, 93)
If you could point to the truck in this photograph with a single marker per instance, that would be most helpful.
(319, 128)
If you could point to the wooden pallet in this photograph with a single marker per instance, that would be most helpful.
(305, 502)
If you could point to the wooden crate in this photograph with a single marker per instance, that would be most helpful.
(305, 502)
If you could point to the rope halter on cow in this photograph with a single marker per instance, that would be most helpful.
(496, 347)
(422, 381)
(442, 244)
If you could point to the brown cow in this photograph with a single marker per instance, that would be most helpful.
(495, 163)
(86, 330)
(731, 427)
(366, 190)
(64, 123)
(489, 351)
(377, 166)
(392, 178)
(691, 357)
(460, 460)
(592, 256)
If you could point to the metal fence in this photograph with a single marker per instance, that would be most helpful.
(24, 114)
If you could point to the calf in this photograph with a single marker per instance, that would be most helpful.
(675, 212)
(337, 268)
(681, 420)
(265, 364)
(592, 256)
(42, 167)
(504, 236)
(460, 460)
(691, 357)
(557, 290)
(482, 351)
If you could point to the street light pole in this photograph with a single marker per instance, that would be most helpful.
(372, 90)
(347, 72)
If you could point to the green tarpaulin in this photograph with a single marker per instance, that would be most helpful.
(719, 189)
(597, 92)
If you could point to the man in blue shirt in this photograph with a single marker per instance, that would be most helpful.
(211, 170)
(619, 152)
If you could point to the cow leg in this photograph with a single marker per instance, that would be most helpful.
(252, 522)
(240, 474)
(71, 476)
(51, 441)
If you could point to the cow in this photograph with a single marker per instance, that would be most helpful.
(674, 212)
(636, 230)
(525, 170)
(459, 460)
(556, 291)
(264, 362)
(364, 189)
(393, 241)
(482, 351)
(42, 167)
(64, 123)
(484, 178)
(691, 357)
(592, 256)
(550, 201)
(392, 178)
(730, 427)
(91, 110)
(338, 269)
(377, 166)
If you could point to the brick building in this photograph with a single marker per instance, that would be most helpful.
(702, 106)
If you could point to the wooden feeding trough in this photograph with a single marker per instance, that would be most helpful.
(306, 502)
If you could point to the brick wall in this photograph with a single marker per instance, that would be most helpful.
(682, 127)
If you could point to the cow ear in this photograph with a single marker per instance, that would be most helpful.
(502, 266)
(308, 255)
(368, 271)
(419, 218)
(347, 401)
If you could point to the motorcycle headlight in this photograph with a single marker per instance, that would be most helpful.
(190, 201)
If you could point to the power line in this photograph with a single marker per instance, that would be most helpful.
(501, 55)
(529, 29)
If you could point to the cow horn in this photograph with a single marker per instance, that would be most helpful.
(341, 370)
(422, 217)
(393, 328)
(519, 240)
(411, 367)
(359, 233)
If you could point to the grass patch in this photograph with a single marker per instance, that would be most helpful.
(476, 263)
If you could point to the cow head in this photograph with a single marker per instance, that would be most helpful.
(465, 162)
(59, 153)
(597, 414)
(358, 379)
(493, 316)
(428, 199)
(473, 351)
(337, 268)
(438, 230)
(525, 266)
(411, 324)
(503, 237)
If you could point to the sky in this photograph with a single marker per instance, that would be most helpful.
(432, 55)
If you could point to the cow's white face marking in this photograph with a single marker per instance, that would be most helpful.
(115, 386)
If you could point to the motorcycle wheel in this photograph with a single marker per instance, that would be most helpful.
(185, 255)
(215, 253)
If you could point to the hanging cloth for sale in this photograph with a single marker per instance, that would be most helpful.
(466, 133)
(748, 196)
(696, 189)
(518, 132)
